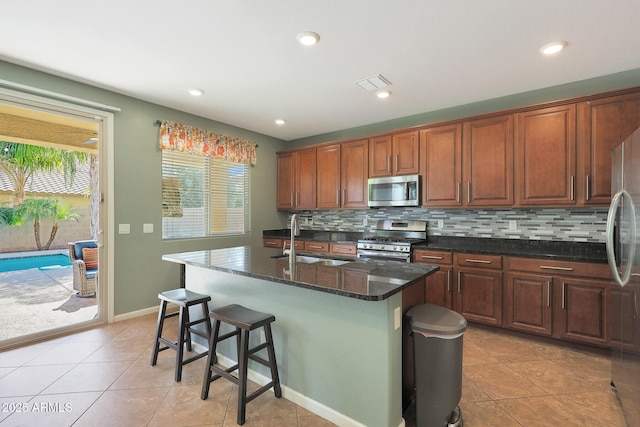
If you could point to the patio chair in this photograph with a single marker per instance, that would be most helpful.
(84, 257)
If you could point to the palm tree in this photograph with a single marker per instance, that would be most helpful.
(38, 209)
(21, 161)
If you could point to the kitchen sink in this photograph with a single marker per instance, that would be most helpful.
(314, 260)
(332, 262)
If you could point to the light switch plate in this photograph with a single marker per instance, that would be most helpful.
(396, 319)
(124, 228)
(147, 228)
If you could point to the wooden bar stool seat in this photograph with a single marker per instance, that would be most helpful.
(184, 299)
(244, 320)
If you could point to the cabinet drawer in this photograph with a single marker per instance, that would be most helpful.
(560, 268)
(479, 261)
(346, 249)
(272, 243)
(432, 257)
(316, 246)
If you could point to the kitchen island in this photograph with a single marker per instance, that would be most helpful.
(338, 332)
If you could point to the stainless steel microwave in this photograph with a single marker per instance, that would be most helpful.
(401, 190)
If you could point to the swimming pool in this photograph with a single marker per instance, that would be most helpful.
(43, 262)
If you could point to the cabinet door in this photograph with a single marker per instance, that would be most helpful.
(285, 181)
(479, 295)
(527, 303)
(441, 169)
(329, 177)
(305, 195)
(487, 149)
(602, 125)
(583, 310)
(380, 156)
(439, 288)
(546, 156)
(405, 150)
(354, 174)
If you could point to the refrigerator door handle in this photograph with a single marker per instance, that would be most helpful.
(611, 217)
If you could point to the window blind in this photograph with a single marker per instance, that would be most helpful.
(203, 196)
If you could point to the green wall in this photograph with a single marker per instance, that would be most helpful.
(595, 85)
(139, 271)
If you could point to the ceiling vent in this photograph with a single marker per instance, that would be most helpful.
(374, 82)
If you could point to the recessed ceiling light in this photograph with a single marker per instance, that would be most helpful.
(279, 122)
(196, 92)
(553, 47)
(308, 38)
(383, 94)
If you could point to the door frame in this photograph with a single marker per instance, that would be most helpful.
(103, 115)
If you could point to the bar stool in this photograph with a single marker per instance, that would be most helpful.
(184, 299)
(244, 320)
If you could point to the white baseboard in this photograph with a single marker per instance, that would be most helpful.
(137, 313)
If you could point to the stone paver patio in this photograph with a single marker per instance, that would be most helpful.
(37, 300)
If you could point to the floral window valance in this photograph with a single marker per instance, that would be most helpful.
(187, 139)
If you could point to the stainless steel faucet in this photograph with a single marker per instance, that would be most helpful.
(295, 231)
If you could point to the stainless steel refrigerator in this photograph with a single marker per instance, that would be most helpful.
(623, 252)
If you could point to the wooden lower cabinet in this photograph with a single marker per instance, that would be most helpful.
(527, 303)
(566, 300)
(439, 285)
(582, 315)
(438, 288)
(479, 295)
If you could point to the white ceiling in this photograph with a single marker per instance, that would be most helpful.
(244, 54)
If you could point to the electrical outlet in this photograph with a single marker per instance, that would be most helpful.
(397, 320)
(513, 225)
(365, 221)
(263, 339)
(440, 223)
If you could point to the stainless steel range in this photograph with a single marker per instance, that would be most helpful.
(393, 240)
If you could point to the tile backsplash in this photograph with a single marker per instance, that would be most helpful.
(577, 224)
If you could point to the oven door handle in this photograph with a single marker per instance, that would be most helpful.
(384, 255)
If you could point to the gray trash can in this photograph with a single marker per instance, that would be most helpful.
(437, 354)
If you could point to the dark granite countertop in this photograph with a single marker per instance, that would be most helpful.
(361, 279)
(548, 249)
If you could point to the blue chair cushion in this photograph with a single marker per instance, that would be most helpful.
(81, 244)
(91, 274)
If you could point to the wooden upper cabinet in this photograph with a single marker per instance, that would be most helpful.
(354, 174)
(602, 125)
(406, 153)
(394, 154)
(380, 150)
(441, 167)
(487, 150)
(328, 190)
(546, 156)
(285, 181)
(342, 175)
(296, 177)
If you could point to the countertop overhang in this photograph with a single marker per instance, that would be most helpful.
(364, 279)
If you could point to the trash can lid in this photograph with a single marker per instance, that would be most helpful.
(436, 320)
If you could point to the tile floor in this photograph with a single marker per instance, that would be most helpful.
(102, 377)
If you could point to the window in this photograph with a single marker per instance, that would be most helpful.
(202, 196)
